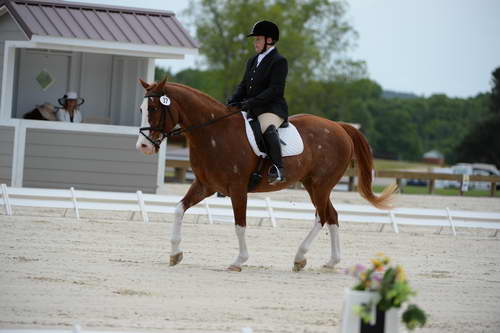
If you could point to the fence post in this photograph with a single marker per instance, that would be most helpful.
(352, 178)
(394, 223)
(493, 189)
(452, 224)
(6, 202)
(75, 204)
(271, 212)
(464, 184)
(142, 207)
(398, 183)
(209, 213)
(431, 186)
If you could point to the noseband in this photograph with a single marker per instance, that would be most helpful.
(165, 108)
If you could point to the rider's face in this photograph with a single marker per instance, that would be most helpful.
(259, 43)
(70, 104)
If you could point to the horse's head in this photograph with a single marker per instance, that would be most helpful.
(158, 117)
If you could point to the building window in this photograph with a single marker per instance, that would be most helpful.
(44, 79)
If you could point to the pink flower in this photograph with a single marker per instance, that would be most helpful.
(359, 268)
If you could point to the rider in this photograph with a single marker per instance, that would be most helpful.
(261, 91)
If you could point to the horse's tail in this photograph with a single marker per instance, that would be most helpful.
(365, 166)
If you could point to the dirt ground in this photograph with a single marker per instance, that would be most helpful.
(107, 273)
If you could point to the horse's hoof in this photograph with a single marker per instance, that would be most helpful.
(298, 266)
(175, 259)
(331, 264)
(234, 268)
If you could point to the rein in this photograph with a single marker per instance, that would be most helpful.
(177, 131)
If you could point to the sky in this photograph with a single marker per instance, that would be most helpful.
(417, 46)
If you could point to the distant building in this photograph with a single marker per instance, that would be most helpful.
(433, 157)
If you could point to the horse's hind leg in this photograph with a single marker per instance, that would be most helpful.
(333, 228)
(195, 194)
(300, 260)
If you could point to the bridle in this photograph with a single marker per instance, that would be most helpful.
(165, 108)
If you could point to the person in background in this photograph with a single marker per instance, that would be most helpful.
(69, 111)
(45, 111)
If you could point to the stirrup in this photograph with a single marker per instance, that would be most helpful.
(276, 175)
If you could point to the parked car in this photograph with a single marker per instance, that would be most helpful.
(441, 183)
(475, 169)
(416, 182)
(460, 169)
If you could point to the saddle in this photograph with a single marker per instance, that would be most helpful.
(291, 144)
(291, 141)
(259, 137)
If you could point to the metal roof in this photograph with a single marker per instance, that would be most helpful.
(98, 22)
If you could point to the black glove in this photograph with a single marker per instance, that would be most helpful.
(234, 103)
(243, 105)
(246, 104)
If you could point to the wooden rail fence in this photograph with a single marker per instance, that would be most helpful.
(182, 166)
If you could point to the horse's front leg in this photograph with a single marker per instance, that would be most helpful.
(195, 194)
(239, 202)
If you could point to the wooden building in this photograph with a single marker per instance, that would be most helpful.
(50, 47)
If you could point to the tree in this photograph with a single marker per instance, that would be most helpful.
(161, 73)
(482, 144)
(313, 35)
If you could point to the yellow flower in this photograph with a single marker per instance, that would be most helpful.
(382, 257)
(400, 274)
(377, 263)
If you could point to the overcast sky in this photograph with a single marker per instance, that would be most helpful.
(418, 46)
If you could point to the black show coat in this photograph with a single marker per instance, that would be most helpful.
(263, 86)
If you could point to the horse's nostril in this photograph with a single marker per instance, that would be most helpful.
(144, 145)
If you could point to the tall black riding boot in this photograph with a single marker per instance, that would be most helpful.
(273, 145)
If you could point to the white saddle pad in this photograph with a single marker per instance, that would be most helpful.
(289, 135)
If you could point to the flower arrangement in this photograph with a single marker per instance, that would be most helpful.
(391, 283)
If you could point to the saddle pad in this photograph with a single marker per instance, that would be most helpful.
(289, 135)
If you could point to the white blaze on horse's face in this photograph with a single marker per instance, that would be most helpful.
(143, 145)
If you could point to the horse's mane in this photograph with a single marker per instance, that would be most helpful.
(199, 93)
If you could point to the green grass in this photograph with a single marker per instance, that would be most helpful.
(440, 191)
(399, 165)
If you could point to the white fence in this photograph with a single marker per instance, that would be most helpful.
(220, 209)
(77, 329)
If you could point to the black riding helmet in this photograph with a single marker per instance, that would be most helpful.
(266, 29)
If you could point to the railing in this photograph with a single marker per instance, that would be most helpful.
(432, 177)
(181, 166)
(220, 209)
(77, 329)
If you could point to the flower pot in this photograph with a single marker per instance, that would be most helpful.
(383, 322)
(386, 322)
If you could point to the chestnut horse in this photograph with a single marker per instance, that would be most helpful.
(222, 161)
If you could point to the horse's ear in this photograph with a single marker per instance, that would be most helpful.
(144, 84)
(162, 82)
